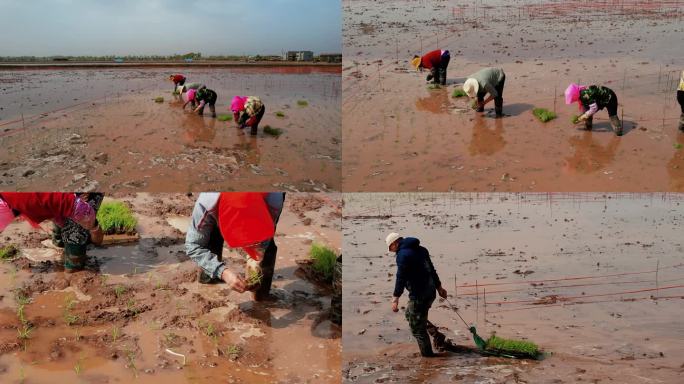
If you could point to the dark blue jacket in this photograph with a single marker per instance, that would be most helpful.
(415, 271)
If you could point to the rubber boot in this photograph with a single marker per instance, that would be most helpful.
(589, 123)
(267, 265)
(57, 240)
(617, 125)
(681, 122)
(336, 300)
(203, 278)
(498, 107)
(425, 346)
(253, 130)
(74, 257)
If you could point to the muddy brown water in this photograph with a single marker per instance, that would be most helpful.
(101, 129)
(123, 337)
(553, 268)
(401, 136)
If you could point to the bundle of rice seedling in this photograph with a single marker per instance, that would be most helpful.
(544, 114)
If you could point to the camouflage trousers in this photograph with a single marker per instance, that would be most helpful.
(336, 301)
(417, 317)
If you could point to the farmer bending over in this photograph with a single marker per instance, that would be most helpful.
(437, 62)
(484, 81)
(247, 112)
(592, 99)
(416, 273)
(243, 220)
(74, 217)
(177, 80)
(203, 97)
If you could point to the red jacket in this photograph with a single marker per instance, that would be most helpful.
(431, 59)
(178, 78)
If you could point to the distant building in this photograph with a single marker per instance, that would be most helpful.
(330, 57)
(298, 56)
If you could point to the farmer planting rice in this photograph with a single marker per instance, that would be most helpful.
(437, 62)
(416, 273)
(177, 80)
(592, 99)
(73, 215)
(246, 221)
(247, 112)
(486, 81)
(680, 100)
(203, 97)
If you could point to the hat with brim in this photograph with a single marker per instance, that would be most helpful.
(391, 238)
(415, 62)
(471, 87)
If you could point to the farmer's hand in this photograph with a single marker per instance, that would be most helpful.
(442, 292)
(395, 304)
(582, 118)
(235, 282)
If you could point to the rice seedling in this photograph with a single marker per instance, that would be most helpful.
(78, 368)
(272, 131)
(458, 93)
(575, 119)
(323, 260)
(130, 359)
(24, 333)
(224, 117)
(280, 114)
(116, 217)
(159, 99)
(20, 314)
(518, 347)
(8, 252)
(233, 352)
(678, 146)
(474, 104)
(119, 290)
(434, 86)
(116, 332)
(254, 276)
(302, 103)
(543, 114)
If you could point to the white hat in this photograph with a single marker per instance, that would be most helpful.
(391, 238)
(471, 87)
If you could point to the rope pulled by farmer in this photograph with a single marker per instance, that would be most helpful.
(592, 99)
(436, 62)
(417, 274)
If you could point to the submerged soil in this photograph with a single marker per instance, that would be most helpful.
(401, 136)
(101, 129)
(117, 321)
(574, 273)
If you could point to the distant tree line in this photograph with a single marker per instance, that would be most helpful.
(187, 56)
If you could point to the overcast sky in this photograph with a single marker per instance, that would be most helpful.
(146, 27)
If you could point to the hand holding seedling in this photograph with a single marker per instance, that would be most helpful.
(235, 282)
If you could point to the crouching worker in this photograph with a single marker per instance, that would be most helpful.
(203, 97)
(486, 81)
(74, 217)
(437, 62)
(182, 89)
(247, 112)
(592, 99)
(246, 221)
(177, 80)
(416, 273)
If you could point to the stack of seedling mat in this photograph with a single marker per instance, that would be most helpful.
(118, 223)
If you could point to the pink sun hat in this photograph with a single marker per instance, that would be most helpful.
(572, 93)
(191, 94)
(238, 103)
(6, 215)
